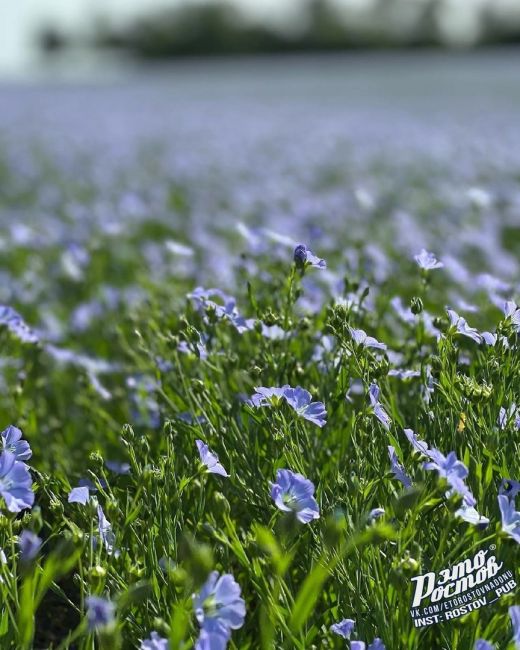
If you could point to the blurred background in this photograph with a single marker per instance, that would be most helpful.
(78, 37)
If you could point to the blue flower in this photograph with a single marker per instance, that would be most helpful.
(79, 495)
(304, 257)
(297, 398)
(376, 513)
(16, 325)
(481, 644)
(469, 514)
(100, 612)
(15, 483)
(268, 396)
(398, 469)
(105, 531)
(509, 487)
(514, 614)
(11, 441)
(30, 544)
(510, 517)
(418, 445)
(376, 644)
(403, 373)
(361, 338)
(459, 324)
(118, 467)
(219, 608)
(427, 261)
(453, 470)
(343, 628)
(301, 401)
(377, 407)
(155, 642)
(292, 492)
(209, 459)
(512, 313)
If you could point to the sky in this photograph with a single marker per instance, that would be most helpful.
(20, 19)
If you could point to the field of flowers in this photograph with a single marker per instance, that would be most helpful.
(259, 368)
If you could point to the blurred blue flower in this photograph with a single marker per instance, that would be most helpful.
(16, 325)
(292, 492)
(219, 608)
(360, 337)
(155, 642)
(398, 469)
(118, 467)
(481, 644)
(79, 495)
(15, 483)
(510, 517)
(100, 612)
(459, 324)
(343, 628)
(512, 312)
(509, 487)
(376, 513)
(376, 644)
(514, 614)
(403, 373)
(11, 441)
(30, 544)
(377, 407)
(427, 261)
(304, 257)
(209, 459)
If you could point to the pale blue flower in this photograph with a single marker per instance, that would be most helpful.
(398, 469)
(510, 517)
(15, 483)
(293, 492)
(301, 401)
(209, 459)
(155, 642)
(403, 373)
(418, 445)
(377, 407)
(105, 531)
(219, 608)
(79, 495)
(427, 261)
(297, 398)
(30, 545)
(304, 257)
(459, 324)
(469, 514)
(16, 325)
(268, 396)
(361, 338)
(343, 628)
(100, 612)
(453, 470)
(12, 441)
(509, 487)
(481, 644)
(376, 513)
